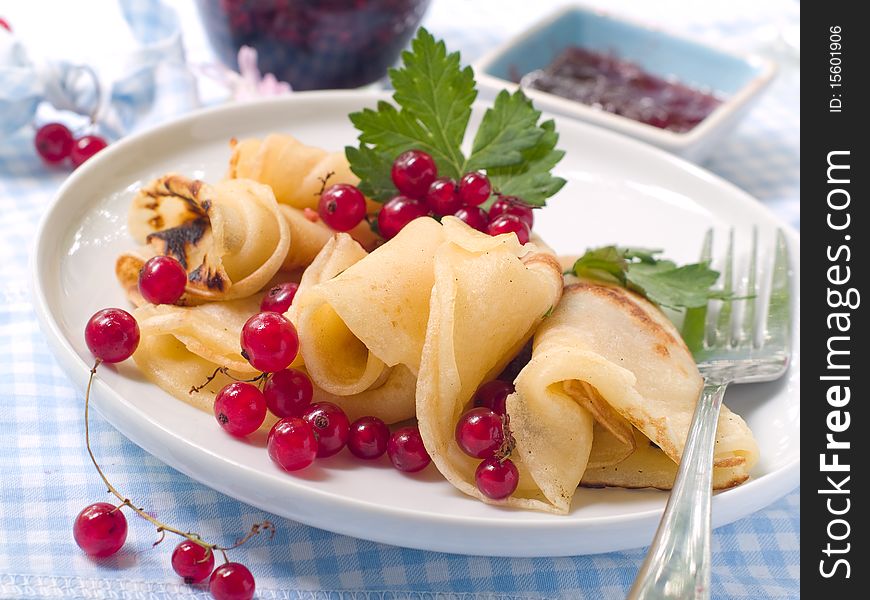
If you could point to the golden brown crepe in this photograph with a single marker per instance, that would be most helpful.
(230, 237)
(607, 355)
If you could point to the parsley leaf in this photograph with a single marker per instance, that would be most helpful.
(531, 179)
(607, 263)
(376, 183)
(660, 280)
(667, 284)
(507, 129)
(438, 94)
(434, 96)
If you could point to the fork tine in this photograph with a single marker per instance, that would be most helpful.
(748, 328)
(693, 322)
(721, 333)
(777, 329)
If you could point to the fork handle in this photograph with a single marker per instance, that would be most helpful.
(677, 565)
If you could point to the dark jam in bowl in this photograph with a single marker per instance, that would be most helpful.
(314, 44)
(623, 88)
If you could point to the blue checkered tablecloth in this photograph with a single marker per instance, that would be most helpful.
(46, 478)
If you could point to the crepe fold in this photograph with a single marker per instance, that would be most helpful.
(488, 296)
(608, 397)
(230, 237)
(297, 174)
(182, 346)
(295, 171)
(371, 316)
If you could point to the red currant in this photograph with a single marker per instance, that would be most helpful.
(480, 432)
(269, 342)
(442, 197)
(330, 426)
(397, 213)
(162, 280)
(192, 562)
(232, 581)
(511, 205)
(497, 479)
(279, 298)
(368, 438)
(240, 408)
(473, 216)
(342, 207)
(406, 450)
(288, 393)
(509, 224)
(413, 172)
(54, 142)
(492, 395)
(100, 529)
(474, 188)
(292, 444)
(85, 147)
(112, 335)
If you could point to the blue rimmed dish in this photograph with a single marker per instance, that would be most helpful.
(737, 79)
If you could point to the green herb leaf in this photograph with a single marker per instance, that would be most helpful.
(607, 263)
(660, 280)
(432, 89)
(531, 179)
(434, 96)
(507, 129)
(373, 169)
(676, 287)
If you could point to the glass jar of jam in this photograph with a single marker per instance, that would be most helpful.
(314, 44)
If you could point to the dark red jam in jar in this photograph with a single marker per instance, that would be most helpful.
(314, 44)
(622, 87)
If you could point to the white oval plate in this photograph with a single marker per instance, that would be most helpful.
(618, 190)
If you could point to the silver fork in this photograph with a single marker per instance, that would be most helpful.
(677, 565)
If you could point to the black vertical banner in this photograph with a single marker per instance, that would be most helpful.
(835, 172)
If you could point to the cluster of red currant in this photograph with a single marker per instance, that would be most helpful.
(483, 432)
(55, 143)
(421, 192)
(305, 431)
(112, 335)
(270, 343)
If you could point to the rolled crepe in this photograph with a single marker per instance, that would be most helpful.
(295, 172)
(230, 237)
(648, 467)
(488, 297)
(372, 315)
(182, 346)
(608, 356)
(307, 237)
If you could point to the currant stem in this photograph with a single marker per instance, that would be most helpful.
(196, 388)
(323, 181)
(508, 443)
(162, 528)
